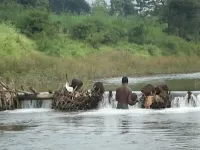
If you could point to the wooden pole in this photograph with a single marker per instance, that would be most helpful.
(23, 97)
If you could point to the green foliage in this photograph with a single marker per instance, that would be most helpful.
(137, 35)
(10, 11)
(74, 30)
(74, 6)
(98, 40)
(33, 22)
(122, 7)
(63, 46)
(12, 43)
(182, 17)
(96, 32)
(34, 3)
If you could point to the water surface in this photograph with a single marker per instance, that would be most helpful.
(176, 82)
(108, 128)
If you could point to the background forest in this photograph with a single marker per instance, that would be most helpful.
(74, 28)
(42, 39)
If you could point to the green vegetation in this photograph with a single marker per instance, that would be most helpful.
(13, 43)
(41, 40)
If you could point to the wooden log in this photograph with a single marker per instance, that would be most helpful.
(23, 97)
(33, 90)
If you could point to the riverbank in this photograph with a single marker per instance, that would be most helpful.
(46, 72)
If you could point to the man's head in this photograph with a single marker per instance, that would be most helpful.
(124, 80)
(189, 94)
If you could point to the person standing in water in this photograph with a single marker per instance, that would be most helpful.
(123, 94)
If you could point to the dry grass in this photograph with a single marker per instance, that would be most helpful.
(45, 72)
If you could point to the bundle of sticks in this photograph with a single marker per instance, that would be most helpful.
(156, 96)
(8, 98)
(76, 100)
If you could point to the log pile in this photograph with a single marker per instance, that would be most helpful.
(69, 97)
(8, 98)
(155, 97)
(67, 100)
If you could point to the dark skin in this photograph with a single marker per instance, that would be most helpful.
(123, 94)
(189, 96)
(98, 87)
(110, 96)
(76, 84)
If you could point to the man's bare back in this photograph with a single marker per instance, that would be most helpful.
(123, 94)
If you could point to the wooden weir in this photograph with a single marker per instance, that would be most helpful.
(77, 99)
(63, 99)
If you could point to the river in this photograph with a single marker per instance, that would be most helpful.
(103, 129)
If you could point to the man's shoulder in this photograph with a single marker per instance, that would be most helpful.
(122, 87)
(129, 89)
(118, 88)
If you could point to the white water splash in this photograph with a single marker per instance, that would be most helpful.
(179, 105)
(36, 104)
(29, 104)
(138, 111)
(178, 102)
(47, 104)
(28, 110)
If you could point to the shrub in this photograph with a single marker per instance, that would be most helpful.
(13, 43)
(96, 32)
(36, 21)
(137, 34)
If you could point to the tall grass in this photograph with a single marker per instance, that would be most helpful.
(44, 72)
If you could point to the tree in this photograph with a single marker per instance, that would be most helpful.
(99, 3)
(137, 34)
(10, 10)
(122, 7)
(74, 6)
(99, 6)
(182, 17)
(34, 22)
(160, 6)
(34, 3)
(149, 7)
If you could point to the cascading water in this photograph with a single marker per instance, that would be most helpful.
(36, 103)
(176, 101)
(183, 101)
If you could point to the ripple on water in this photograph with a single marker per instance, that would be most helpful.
(7, 127)
(174, 128)
(137, 111)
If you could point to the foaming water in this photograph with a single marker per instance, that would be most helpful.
(179, 105)
(28, 110)
(106, 108)
(178, 99)
(36, 104)
(138, 111)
